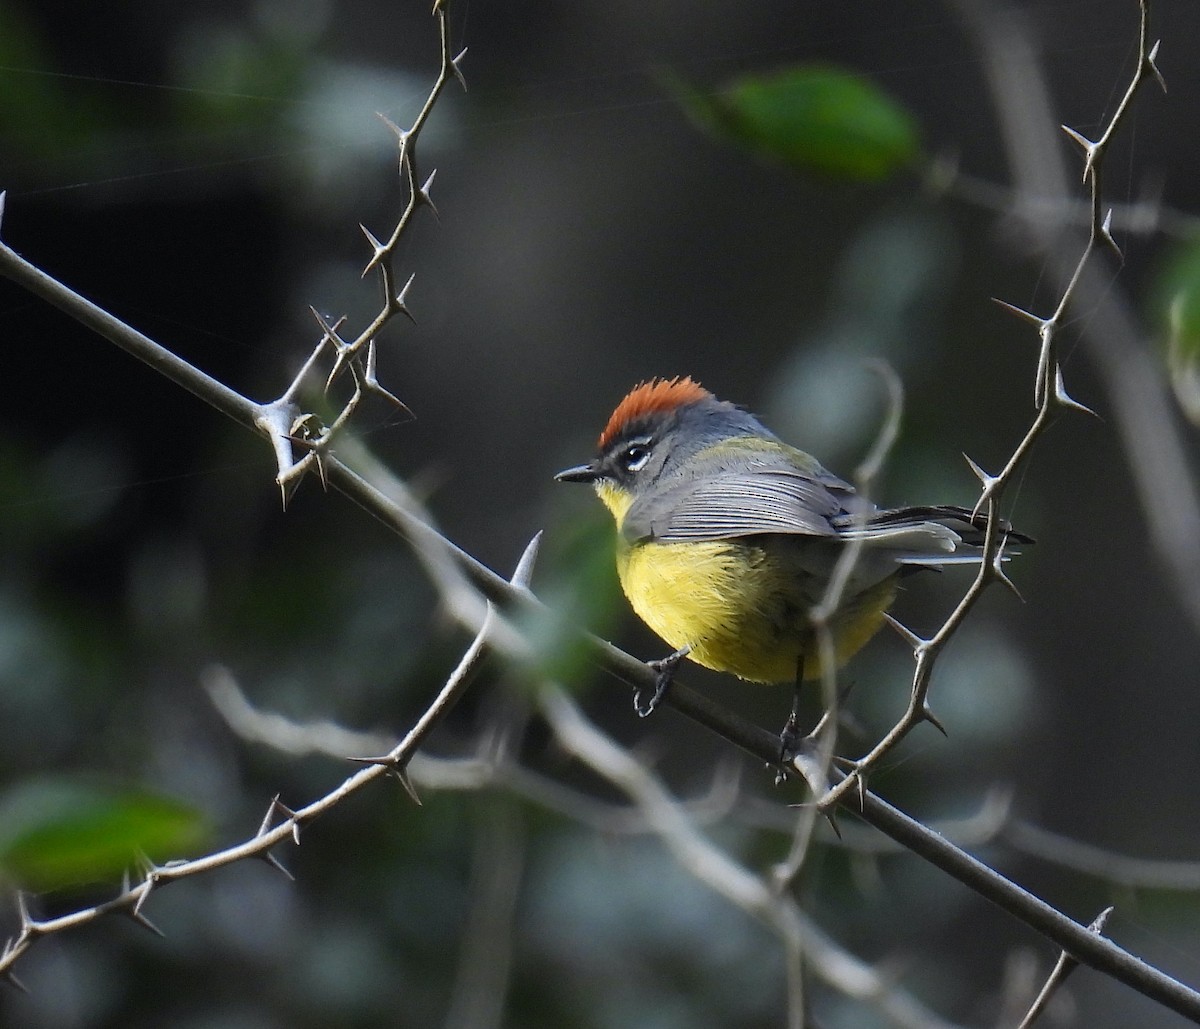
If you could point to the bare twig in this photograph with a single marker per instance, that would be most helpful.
(821, 618)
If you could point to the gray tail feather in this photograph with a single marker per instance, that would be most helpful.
(970, 527)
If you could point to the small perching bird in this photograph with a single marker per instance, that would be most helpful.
(727, 537)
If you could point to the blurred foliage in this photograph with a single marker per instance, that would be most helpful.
(814, 118)
(39, 116)
(1177, 315)
(577, 586)
(57, 832)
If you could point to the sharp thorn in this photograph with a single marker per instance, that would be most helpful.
(1151, 61)
(1064, 399)
(932, 719)
(1020, 312)
(455, 67)
(401, 776)
(831, 818)
(1088, 147)
(143, 896)
(905, 632)
(1002, 577)
(1101, 920)
(145, 923)
(400, 134)
(860, 789)
(303, 441)
(28, 925)
(274, 862)
(378, 249)
(524, 571)
(371, 238)
(386, 760)
(401, 298)
(989, 483)
(288, 488)
(269, 818)
(424, 194)
(1106, 235)
(1085, 144)
(373, 384)
(10, 976)
(288, 814)
(3, 197)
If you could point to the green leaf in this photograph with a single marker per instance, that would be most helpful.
(1177, 310)
(58, 832)
(817, 118)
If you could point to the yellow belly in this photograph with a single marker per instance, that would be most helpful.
(742, 605)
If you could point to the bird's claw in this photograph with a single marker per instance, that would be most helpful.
(664, 673)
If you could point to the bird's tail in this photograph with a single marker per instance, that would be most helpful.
(924, 535)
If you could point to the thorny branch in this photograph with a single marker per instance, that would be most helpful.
(1059, 974)
(280, 822)
(1050, 399)
(358, 355)
(802, 939)
(1156, 453)
(285, 426)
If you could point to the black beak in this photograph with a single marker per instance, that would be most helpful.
(580, 473)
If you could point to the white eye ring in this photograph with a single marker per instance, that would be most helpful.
(635, 457)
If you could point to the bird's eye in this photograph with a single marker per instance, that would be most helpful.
(635, 457)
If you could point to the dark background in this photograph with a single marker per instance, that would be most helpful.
(202, 175)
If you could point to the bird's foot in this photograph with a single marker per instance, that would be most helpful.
(664, 672)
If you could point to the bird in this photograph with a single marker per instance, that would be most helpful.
(727, 538)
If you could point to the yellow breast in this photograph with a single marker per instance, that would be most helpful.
(742, 604)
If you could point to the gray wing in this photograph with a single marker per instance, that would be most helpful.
(740, 503)
(779, 498)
